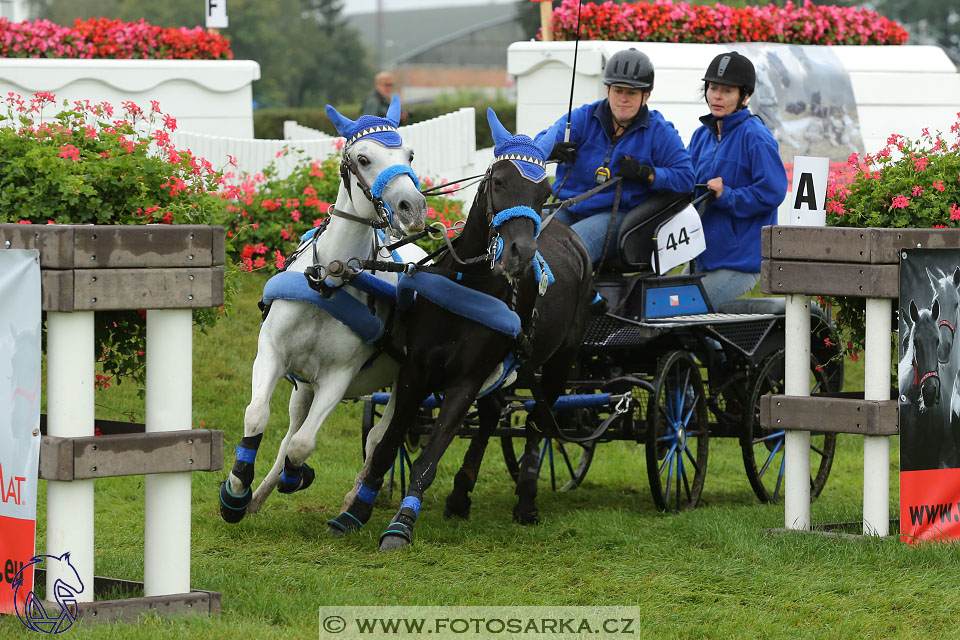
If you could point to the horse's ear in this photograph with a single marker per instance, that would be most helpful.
(935, 310)
(956, 277)
(548, 139)
(932, 278)
(343, 124)
(393, 113)
(914, 312)
(500, 133)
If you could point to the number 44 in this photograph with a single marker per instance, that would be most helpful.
(672, 242)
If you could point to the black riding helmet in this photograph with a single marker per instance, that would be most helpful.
(734, 70)
(629, 67)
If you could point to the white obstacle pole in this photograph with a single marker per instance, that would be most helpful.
(70, 413)
(166, 566)
(796, 503)
(876, 449)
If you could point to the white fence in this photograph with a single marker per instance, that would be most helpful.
(444, 148)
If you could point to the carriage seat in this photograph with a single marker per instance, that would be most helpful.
(635, 240)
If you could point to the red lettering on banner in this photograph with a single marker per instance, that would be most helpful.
(928, 505)
(16, 549)
(11, 491)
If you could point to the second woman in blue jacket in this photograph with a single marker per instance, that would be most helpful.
(737, 157)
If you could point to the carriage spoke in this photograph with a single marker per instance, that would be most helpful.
(669, 478)
(818, 450)
(686, 482)
(693, 461)
(772, 436)
(667, 458)
(566, 458)
(770, 458)
(776, 490)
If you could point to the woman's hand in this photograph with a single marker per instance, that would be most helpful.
(715, 185)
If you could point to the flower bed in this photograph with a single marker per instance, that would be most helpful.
(907, 184)
(666, 21)
(103, 38)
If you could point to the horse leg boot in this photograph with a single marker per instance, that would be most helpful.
(235, 494)
(381, 451)
(300, 400)
(458, 502)
(424, 469)
(373, 439)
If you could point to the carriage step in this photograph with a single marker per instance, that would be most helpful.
(563, 403)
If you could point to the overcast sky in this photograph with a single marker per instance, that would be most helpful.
(370, 6)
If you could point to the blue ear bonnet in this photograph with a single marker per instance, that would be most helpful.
(525, 154)
(373, 128)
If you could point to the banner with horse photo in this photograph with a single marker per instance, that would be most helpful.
(19, 421)
(929, 395)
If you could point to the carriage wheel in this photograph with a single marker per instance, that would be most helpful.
(762, 449)
(568, 462)
(677, 438)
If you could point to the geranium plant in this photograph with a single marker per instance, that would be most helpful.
(103, 38)
(667, 21)
(908, 183)
(270, 212)
(96, 164)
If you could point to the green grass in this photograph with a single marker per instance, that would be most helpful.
(714, 572)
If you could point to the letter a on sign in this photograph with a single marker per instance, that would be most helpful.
(809, 197)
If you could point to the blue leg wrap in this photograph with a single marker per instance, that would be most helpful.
(366, 494)
(292, 479)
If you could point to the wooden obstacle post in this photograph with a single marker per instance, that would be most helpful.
(838, 261)
(167, 270)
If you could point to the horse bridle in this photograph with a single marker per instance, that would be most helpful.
(384, 214)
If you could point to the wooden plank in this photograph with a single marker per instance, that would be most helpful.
(134, 454)
(129, 610)
(56, 459)
(118, 246)
(830, 278)
(885, 244)
(54, 241)
(832, 415)
(823, 244)
(146, 246)
(112, 289)
(56, 290)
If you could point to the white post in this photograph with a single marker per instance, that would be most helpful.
(166, 565)
(70, 413)
(876, 449)
(796, 502)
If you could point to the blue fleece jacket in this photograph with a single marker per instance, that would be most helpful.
(745, 154)
(650, 139)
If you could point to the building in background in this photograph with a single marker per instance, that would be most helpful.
(469, 54)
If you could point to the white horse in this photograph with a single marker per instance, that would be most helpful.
(329, 359)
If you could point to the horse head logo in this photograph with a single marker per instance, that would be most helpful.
(65, 591)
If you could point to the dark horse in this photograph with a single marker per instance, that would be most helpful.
(454, 356)
(922, 411)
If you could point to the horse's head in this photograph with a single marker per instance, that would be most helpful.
(946, 290)
(926, 367)
(515, 188)
(377, 165)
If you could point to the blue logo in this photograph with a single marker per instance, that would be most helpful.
(65, 591)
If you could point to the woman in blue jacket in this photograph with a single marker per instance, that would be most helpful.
(619, 136)
(738, 159)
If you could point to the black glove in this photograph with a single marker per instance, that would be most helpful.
(631, 169)
(563, 152)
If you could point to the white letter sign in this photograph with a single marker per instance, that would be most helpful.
(809, 196)
(217, 14)
(679, 240)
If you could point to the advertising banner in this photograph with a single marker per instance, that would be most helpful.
(929, 394)
(19, 421)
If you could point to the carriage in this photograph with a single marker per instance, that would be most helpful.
(663, 368)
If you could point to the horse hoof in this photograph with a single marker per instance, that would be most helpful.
(343, 524)
(457, 507)
(391, 542)
(335, 532)
(298, 482)
(526, 517)
(233, 508)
